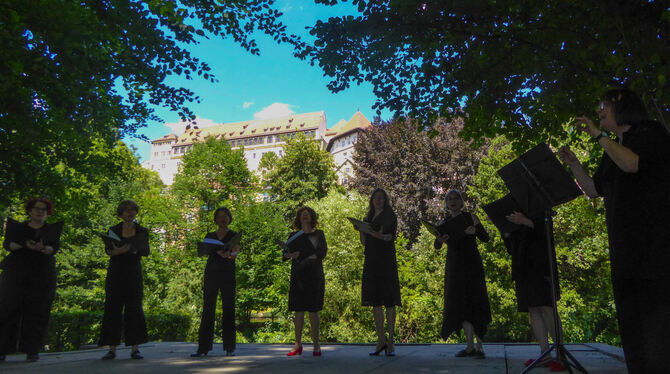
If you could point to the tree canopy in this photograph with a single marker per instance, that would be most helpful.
(78, 71)
(517, 68)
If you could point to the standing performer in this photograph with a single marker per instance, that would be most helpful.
(530, 272)
(380, 285)
(634, 178)
(28, 280)
(307, 249)
(219, 278)
(466, 302)
(124, 288)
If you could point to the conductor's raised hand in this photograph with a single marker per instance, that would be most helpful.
(585, 124)
(470, 230)
(567, 155)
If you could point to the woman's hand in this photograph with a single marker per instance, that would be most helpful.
(120, 250)
(312, 257)
(35, 246)
(14, 246)
(292, 255)
(443, 238)
(567, 155)
(470, 230)
(585, 124)
(519, 219)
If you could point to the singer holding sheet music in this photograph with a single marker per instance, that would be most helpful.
(532, 283)
(28, 280)
(219, 278)
(634, 178)
(124, 288)
(307, 249)
(380, 286)
(466, 301)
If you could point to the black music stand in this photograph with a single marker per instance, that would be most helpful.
(538, 182)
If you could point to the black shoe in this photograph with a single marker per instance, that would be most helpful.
(136, 355)
(230, 353)
(378, 350)
(465, 353)
(198, 354)
(109, 355)
(32, 357)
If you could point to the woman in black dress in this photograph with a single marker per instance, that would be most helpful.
(219, 278)
(380, 285)
(530, 272)
(466, 302)
(28, 281)
(123, 286)
(307, 249)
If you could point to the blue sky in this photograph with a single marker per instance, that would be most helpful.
(272, 84)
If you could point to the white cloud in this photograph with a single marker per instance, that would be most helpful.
(275, 110)
(179, 127)
(247, 104)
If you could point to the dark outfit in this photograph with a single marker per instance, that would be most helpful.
(465, 295)
(219, 278)
(124, 290)
(308, 283)
(27, 290)
(530, 265)
(380, 284)
(637, 209)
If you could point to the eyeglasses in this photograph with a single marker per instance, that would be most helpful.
(40, 209)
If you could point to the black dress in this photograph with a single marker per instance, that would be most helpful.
(308, 283)
(124, 291)
(219, 278)
(637, 207)
(465, 295)
(27, 290)
(380, 285)
(530, 265)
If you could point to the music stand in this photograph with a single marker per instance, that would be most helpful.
(538, 182)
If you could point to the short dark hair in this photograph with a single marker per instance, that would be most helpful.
(125, 205)
(31, 204)
(312, 214)
(627, 106)
(225, 210)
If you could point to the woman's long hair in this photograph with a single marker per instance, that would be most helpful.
(371, 208)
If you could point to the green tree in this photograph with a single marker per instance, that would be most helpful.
(212, 173)
(74, 72)
(305, 172)
(519, 69)
(414, 168)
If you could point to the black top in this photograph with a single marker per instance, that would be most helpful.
(25, 258)
(216, 261)
(380, 284)
(139, 244)
(637, 205)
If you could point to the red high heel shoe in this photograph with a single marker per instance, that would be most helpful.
(295, 352)
(316, 353)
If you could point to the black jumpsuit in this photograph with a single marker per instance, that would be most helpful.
(219, 278)
(124, 290)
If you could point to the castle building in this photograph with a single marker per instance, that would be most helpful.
(261, 136)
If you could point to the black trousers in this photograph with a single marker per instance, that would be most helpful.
(643, 313)
(25, 305)
(124, 291)
(217, 282)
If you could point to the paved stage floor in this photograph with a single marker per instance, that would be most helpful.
(173, 357)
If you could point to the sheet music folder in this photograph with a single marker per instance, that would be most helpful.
(538, 181)
(498, 211)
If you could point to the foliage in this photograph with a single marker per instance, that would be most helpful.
(212, 173)
(305, 172)
(415, 169)
(79, 72)
(519, 69)
(72, 330)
